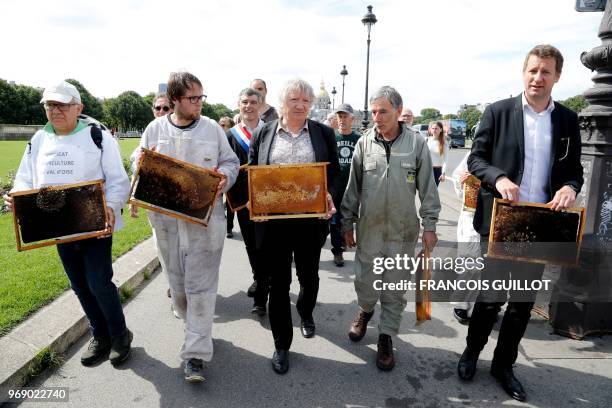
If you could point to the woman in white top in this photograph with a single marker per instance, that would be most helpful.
(438, 147)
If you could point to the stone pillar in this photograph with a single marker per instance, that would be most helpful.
(584, 302)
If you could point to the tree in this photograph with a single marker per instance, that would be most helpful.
(92, 106)
(110, 113)
(576, 103)
(20, 104)
(216, 111)
(450, 116)
(128, 111)
(30, 110)
(471, 115)
(148, 98)
(429, 115)
(8, 102)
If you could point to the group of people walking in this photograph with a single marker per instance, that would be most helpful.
(526, 148)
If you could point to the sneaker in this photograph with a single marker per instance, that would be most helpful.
(339, 260)
(194, 368)
(98, 348)
(121, 348)
(230, 234)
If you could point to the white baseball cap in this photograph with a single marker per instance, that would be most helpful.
(63, 92)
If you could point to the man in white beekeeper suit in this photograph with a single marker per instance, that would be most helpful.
(190, 254)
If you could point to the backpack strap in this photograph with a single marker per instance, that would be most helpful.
(96, 135)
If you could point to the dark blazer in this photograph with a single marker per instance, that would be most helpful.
(499, 150)
(325, 149)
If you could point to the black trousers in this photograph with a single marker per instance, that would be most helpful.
(335, 231)
(229, 218)
(516, 317)
(247, 228)
(286, 240)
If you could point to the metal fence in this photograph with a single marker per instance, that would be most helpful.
(18, 132)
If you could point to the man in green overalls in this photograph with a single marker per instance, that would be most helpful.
(390, 164)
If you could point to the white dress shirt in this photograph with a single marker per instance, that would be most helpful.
(538, 144)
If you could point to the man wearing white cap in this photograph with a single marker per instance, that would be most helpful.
(346, 139)
(68, 150)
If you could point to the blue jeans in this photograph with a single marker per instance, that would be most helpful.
(89, 267)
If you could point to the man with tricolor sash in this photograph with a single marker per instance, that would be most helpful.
(239, 137)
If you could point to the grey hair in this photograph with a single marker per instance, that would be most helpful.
(160, 95)
(390, 94)
(250, 92)
(295, 85)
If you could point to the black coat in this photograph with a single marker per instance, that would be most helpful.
(499, 150)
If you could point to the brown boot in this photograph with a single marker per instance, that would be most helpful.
(360, 325)
(384, 357)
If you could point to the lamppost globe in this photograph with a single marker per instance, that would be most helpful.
(334, 92)
(344, 73)
(368, 20)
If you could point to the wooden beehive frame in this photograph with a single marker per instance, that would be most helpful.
(470, 186)
(231, 200)
(175, 214)
(68, 238)
(322, 211)
(491, 245)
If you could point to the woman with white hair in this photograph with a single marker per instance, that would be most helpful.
(293, 139)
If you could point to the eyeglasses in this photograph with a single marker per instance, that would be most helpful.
(164, 108)
(195, 99)
(62, 107)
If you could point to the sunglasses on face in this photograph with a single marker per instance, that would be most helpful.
(164, 108)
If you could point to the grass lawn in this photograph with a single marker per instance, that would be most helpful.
(10, 154)
(32, 279)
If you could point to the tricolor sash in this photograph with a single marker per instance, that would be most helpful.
(242, 136)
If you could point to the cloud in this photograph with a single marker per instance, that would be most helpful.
(437, 54)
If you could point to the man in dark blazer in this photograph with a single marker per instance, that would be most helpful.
(527, 148)
(293, 139)
(239, 138)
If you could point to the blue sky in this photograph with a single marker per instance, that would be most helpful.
(436, 53)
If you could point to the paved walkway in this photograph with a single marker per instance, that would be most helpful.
(327, 370)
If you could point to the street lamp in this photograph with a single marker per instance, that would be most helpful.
(368, 20)
(344, 73)
(334, 92)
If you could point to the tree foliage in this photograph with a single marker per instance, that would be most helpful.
(576, 103)
(148, 98)
(20, 104)
(91, 105)
(471, 115)
(216, 111)
(128, 111)
(427, 115)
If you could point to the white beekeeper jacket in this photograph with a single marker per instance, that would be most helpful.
(50, 159)
(190, 254)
